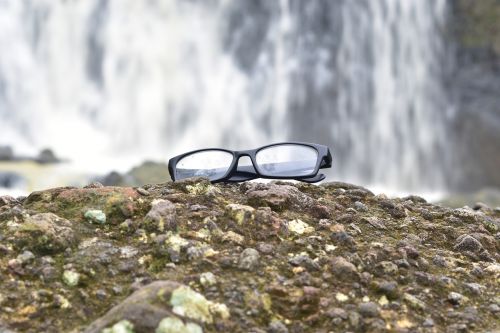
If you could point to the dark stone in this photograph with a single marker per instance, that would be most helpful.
(305, 262)
(368, 309)
(343, 269)
(6, 153)
(468, 243)
(47, 156)
(390, 289)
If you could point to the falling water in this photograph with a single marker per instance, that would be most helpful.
(110, 83)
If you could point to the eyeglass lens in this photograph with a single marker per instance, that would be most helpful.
(211, 163)
(288, 160)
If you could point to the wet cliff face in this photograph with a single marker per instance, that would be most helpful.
(251, 257)
(474, 86)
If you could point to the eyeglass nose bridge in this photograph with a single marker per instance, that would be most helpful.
(245, 153)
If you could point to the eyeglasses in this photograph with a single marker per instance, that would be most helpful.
(287, 160)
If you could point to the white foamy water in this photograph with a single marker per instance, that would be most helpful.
(108, 84)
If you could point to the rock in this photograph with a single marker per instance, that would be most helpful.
(493, 269)
(494, 308)
(265, 248)
(343, 275)
(114, 178)
(249, 259)
(341, 297)
(389, 289)
(343, 269)
(429, 322)
(279, 197)
(47, 156)
(7, 200)
(374, 222)
(306, 262)
(474, 288)
(175, 325)
(176, 242)
(233, 237)
(299, 227)
(45, 233)
(71, 203)
(162, 216)
(6, 153)
(368, 309)
(414, 301)
(387, 267)
(145, 308)
(26, 257)
(71, 278)
(360, 207)
(277, 326)
(455, 298)
(207, 279)
(143, 192)
(186, 302)
(123, 326)
(240, 213)
(466, 215)
(95, 216)
(440, 261)
(467, 243)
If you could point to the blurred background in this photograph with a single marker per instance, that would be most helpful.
(405, 92)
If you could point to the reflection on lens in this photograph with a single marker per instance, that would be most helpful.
(211, 163)
(287, 160)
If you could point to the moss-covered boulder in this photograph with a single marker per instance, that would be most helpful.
(278, 257)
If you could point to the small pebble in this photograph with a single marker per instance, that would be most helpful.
(361, 207)
(142, 191)
(429, 322)
(368, 309)
(455, 298)
(249, 259)
(26, 257)
(71, 278)
(95, 216)
(207, 279)
(277, 326)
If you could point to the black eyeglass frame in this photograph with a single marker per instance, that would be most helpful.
(324, 160)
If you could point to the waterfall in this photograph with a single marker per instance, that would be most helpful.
(107, 81)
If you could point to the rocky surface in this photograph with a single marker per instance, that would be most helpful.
(250, 257)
